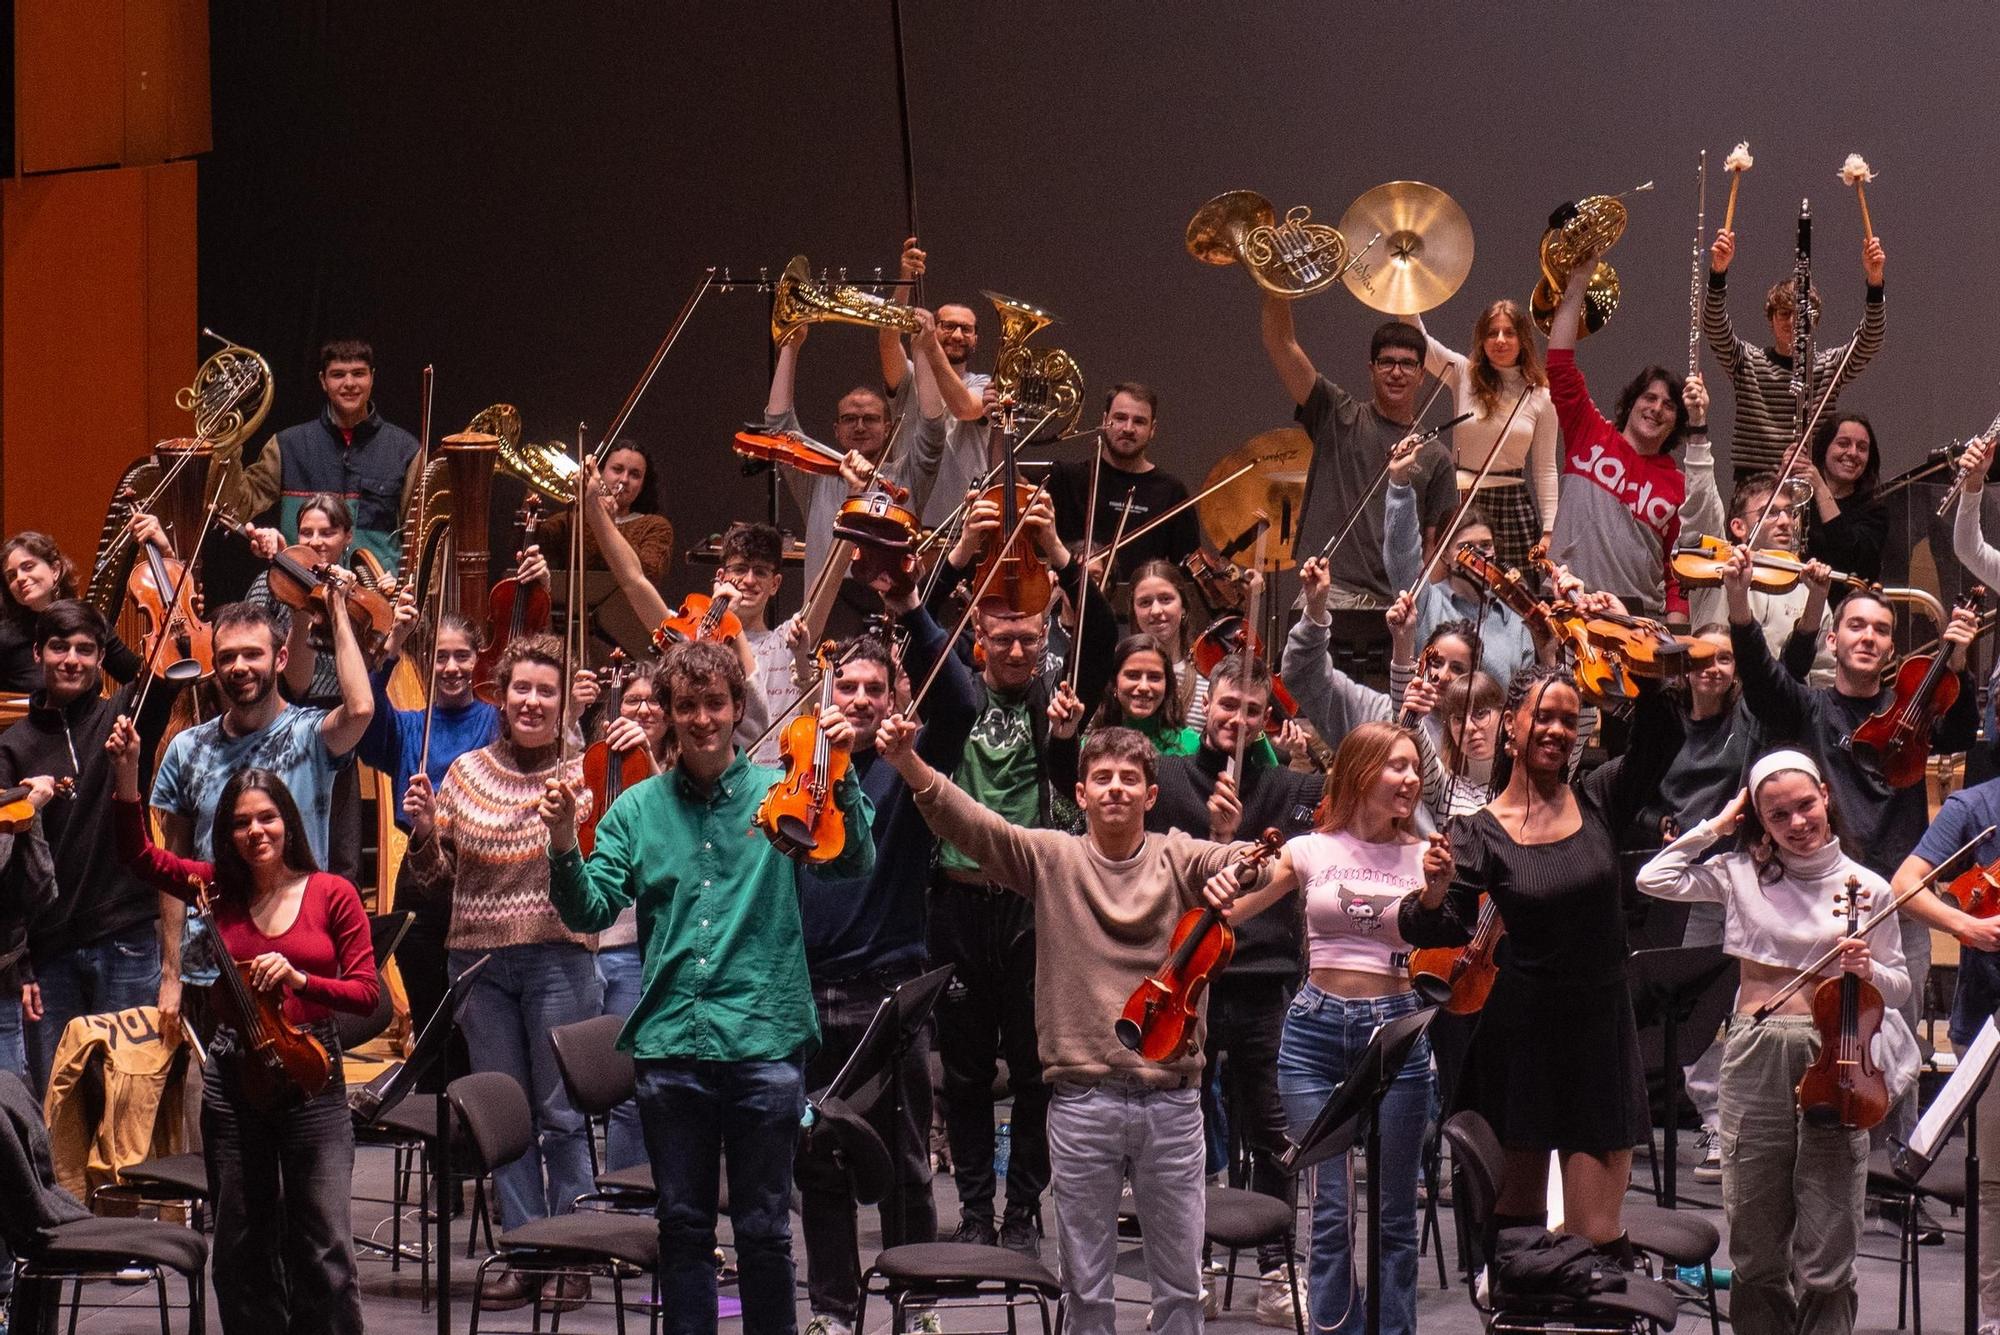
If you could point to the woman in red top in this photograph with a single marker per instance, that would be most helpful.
(284, 1248)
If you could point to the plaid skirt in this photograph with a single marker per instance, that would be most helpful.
(1510, 513)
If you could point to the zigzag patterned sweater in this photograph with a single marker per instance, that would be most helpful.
(492, 850)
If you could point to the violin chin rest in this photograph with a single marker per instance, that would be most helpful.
(1128, 1033)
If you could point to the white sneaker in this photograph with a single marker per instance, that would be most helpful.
(928, 1322)
(822, 1324)
(1278, 1301)
(1708, 1168)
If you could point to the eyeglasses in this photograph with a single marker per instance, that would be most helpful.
(737, 570)
(1403, 364)
(1007, 644)
(860, 419)
(953, 326)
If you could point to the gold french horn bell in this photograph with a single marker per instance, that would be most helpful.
(1292, 258)
(800, 300)
(1590, 226)
(547, 467)
(1046, 383)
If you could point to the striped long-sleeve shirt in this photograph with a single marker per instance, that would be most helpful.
(1762, 379)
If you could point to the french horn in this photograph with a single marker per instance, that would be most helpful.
(1590, 227)
(799, 300)
(548, 467)
(1046, 383)
(230, 396)
(1293, 258)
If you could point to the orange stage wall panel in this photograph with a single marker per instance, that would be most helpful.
(102, 83)
(97, 329)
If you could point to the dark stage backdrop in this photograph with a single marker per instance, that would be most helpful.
(523, 194)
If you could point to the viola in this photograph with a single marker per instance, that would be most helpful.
(1224, 584)
(1699, 566)
(1159, 1019)
(607, 773)
(1012, 573)
(1599, 675)
(1460, 978)
(1231, 634)
(1843, 1087)
(1896, 742)
(798, 814)
(1977, 890)
(808, 456)
(178, 645)
(301, 581)
(514, 609)
(702, 617)
(17, 812)
(278, 1064)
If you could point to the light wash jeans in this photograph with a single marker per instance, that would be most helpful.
(1325, 1036)
(514, 1002)
(1101, 1136)
(622, 970)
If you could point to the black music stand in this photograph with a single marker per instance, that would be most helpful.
(1954, 1107)
(1339, 1124)
(872, 1069)
(1675, 986)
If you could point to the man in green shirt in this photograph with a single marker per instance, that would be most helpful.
(726, 1016)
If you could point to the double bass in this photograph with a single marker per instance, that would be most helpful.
(280, 1066)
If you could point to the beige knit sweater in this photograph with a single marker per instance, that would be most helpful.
(1101, 926)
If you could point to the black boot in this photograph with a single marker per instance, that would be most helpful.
(1617, 1253)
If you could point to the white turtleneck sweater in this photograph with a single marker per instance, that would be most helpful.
(1530, 443)
(1788, 922)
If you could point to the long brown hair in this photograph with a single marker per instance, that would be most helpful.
(1484, 375)
(1363, 753)
(43, 548)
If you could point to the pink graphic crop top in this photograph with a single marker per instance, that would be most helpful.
(1352, 891)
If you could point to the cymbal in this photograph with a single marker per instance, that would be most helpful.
(1273, 466)
(1423, 256)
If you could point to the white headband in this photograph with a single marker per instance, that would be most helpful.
(1779, 761)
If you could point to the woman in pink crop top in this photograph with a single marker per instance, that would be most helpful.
(284, 1246)
(1355, 869)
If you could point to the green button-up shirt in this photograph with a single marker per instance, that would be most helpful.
(718, 911)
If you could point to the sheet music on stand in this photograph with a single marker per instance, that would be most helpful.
(1951, 1105)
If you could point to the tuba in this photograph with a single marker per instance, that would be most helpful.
(1293, 258)
(798, 300)
(547, 467)
(1046, 383)
(1575, 230)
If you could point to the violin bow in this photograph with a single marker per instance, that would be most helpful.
(1792, 455)
(1089, 538)
(1326, 552)
(1429, 571)
(431, 681)
(1252, 615)
(909, 142)
(180, 586)
(625, 409)
(1117, 540)
(1811, 971)
(972, 605)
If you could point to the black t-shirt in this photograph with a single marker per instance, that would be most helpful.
(1151, 493)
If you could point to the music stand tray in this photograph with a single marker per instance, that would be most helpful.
(1340, 1120)
(1693, 986)
(390, 1088)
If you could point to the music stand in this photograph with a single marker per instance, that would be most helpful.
(1952, 1108)
(1339, 1123)
(1675, 986)
(872, 1069)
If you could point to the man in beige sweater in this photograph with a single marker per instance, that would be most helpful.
(1106, 904)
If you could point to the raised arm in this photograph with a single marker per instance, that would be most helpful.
(619, 558)
(1867, 340)
(1004, 852)
(1968, 539)
(1779, 701)
(1677, 872)
(1716, 326)
(343, 725)
(1281, 345)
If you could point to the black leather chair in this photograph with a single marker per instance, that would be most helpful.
(925, 1274)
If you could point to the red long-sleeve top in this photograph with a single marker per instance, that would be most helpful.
(328, 942)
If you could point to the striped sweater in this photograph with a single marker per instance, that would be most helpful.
(1762, 379)
(492, 850)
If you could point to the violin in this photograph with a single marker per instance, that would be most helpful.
(1977, 890)
(514, 609)
(702, 616)
(1460, 978)
(1896, 742)
(607, 773)
(300, 580)
(17, 812)
(1600, 676)
(884, 531)
(1223, 584)
(1159, 1019)
(798, 814)
(1231, 634)
(1843, 1087)
(178, 645)
(808, 456)
(1699, 566)
(279, 1065)
(1645, 646)
(1012, 573)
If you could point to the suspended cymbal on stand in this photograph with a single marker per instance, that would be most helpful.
(1425, 252)
(1273, 485)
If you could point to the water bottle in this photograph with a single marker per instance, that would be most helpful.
(1003, 1145)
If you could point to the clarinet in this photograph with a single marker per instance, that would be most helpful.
(1695, 276)
(1802, 350)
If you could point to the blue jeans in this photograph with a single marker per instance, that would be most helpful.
(109, 975)
(525, 992)
(13, 1051)
(622, 970)
(693, 1112)
(1324, 1038)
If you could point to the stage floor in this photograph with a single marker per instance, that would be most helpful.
(391, 1306)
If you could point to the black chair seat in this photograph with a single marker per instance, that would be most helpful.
(937, 1265)
(110, 1244)
(1241, 1219)
(186, 1173)
(590, 1235)
(415, 1117)
(1684, 1239)
(634, 1181)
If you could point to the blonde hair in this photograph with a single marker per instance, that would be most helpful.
(1363, 753)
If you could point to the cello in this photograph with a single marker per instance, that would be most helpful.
(280, 1065)
(1843, 1087)
(1159, 1019)
(1896, 742)
(516, 609)
(607, 773)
